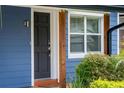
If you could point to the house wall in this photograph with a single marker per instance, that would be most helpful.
(113, 22)
(71, 63)
(15, 49)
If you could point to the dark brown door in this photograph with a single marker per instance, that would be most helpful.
(41, 45)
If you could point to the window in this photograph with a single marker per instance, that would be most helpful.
(85, 34)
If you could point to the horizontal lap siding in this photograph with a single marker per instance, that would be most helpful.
(70, 63)
(15, 49)
(113, 22)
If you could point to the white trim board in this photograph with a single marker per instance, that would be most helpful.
(32, 47)
(54, 39)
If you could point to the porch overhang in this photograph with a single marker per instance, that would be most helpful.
(105, 8)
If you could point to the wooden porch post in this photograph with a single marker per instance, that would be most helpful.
(106, 28)
(62, 49)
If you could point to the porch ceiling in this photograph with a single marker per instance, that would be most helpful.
(106, 8)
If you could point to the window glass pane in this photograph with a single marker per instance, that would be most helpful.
(77, 43)
(93, 25)
(93, 43)
(77, 24)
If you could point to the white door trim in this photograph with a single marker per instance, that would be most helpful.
(54, 39)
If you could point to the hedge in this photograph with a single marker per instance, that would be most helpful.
(93, 67)
(106, 84)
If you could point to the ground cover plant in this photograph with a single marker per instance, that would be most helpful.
(98, 66)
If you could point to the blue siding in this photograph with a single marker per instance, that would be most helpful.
(15, 49)
(113, 22)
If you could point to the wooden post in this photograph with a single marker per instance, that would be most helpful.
(106, 28)
(62, 49)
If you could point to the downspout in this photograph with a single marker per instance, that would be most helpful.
(109, 39)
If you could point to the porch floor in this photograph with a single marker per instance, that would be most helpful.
(49, 83)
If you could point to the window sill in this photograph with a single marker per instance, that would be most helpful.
(76, 55)
(82, 55)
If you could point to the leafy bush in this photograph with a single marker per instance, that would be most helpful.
(119, 70)
(93, 67)
(119, 67)
(76, 83)
(107, 84)
(121, 53)
(114, 61)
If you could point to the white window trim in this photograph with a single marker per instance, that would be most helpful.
(118, 35)
(80, 54)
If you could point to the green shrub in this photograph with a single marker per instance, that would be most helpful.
(114, 60)
(107, 84)
(119, 70)
(121, 53)
(93, 67)
(119, 67)
(76, 83)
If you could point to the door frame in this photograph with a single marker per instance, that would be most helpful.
(54, 39)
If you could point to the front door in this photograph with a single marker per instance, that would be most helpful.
(41, 45)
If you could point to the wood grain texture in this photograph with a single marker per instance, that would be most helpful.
(106, 28)
(62, 49)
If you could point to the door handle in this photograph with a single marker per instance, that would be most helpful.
(49, 51)
(49, 48)
(49, 45)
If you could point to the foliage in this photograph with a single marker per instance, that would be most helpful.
(107, 84)
(119, 66)
(121, 53)
(93, 67)
(119, 70)
(76, 83)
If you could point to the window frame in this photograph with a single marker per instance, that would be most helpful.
(85, 15)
